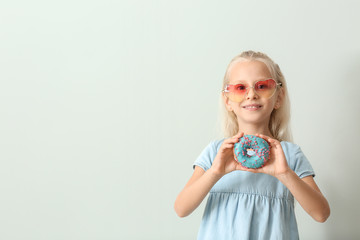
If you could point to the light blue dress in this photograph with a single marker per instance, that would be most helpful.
(244, 205)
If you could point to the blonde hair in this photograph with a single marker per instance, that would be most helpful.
(279, 118)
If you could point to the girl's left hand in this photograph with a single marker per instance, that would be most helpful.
(277, 164)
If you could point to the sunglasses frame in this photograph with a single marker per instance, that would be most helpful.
(278, 84)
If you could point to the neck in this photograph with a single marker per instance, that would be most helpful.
(252, 129)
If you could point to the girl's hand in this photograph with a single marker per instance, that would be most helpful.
(224, 161)
(277, 164)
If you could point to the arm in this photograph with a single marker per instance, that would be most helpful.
(305, 190)
(195, 191)
(202, 181)
(307, 193)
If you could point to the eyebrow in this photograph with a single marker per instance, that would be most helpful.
(242, 81)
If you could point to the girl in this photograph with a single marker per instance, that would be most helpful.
(253, 203)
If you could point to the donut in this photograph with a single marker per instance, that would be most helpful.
(252, 151)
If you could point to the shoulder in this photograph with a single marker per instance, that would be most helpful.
(214, 146)
(292, 151)
(217, 143)
(297, 159)
(208, 154)
(290, 147)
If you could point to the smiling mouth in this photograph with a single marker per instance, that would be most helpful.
(252, 107)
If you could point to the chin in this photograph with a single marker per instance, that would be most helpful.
(254, 120)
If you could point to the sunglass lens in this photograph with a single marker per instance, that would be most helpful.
(265, 88)
(236, 92)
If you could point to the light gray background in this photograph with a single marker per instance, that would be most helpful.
(105, 105)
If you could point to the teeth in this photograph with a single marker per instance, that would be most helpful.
(251, 106)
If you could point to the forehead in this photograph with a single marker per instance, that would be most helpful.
(248, 71)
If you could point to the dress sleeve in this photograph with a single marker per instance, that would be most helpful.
(302, 166)
(206, 157)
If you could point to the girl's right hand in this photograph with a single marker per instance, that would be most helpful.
(224, 161)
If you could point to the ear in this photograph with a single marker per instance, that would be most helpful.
(279, 99)
(226, 102)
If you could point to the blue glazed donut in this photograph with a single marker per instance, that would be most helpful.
(252, 151)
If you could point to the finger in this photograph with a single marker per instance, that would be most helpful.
(259, 170)
(227, 146)
(275, 143)
(261, 136)
(239, 135)
(242, 168)
(229, 140)
(234, 139)
(266, 138)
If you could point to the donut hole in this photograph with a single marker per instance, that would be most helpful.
(250, 152)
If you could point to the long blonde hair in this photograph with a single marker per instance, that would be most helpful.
(279, 123)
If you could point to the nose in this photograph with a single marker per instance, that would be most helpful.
(251, 94)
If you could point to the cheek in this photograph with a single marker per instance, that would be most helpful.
(270, 103)
(229, 106)
(270, 106)
(275, 101)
